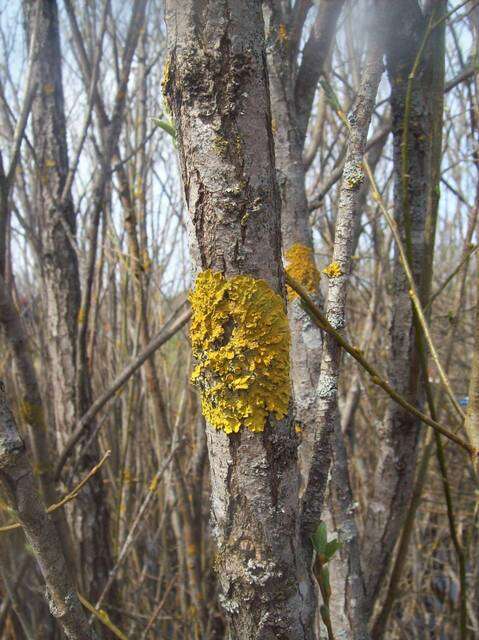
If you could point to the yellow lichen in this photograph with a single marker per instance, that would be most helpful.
(282, 33)
(354, 176)
(146, 261)
(153, 486)
(301, 267)
(240, 340)
(220, 145)
(244, 218)
(238, 145)
(333, 270)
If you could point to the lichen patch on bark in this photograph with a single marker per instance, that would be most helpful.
(301, 266)
(240, 340)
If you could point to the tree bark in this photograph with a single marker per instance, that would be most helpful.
(61, 280)
(59, 261)
(216, 82)
(18, 486)
(306, 340)
(348, 602)
(399, 434)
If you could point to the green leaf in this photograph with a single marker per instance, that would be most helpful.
(331, 547)
(168, 127)
(319, 539)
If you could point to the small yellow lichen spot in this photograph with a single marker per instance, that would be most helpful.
(298, 428)
(333, 270)
(146, 261)
(240, 341)
(48, 88)
(274, 126)
(245, 218)
(282, 33)
(50, 163)
(153, 484)
(301, 267)
(220, 145)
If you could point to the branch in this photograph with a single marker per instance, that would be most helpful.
(68, 498)
(18, 485)
(315, 53)
(376, 377)
(160, 339)
(102, 617)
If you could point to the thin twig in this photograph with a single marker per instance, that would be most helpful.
(68, 498)
(103, 617)
(376, 377)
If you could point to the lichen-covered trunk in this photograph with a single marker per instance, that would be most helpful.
(216, 82)
(61, 280)
(398, 436)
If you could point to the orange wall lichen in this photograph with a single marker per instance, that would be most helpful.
(240, 341)
(301, 266)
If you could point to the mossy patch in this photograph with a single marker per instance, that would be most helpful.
(240, 340)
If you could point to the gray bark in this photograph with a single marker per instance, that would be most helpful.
(291, 104)
(398, 435)
(315, 52)
(69, 355)
(306, 340)
(59, 261)
(18, 486)
(61, 279)
(347, 604)
(216, 82)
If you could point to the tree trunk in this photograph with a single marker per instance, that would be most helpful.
(398, 436)
(18, 486)
(59, 266)
(347, 602)
(216, 82)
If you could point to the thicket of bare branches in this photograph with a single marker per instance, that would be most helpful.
(239, 136)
